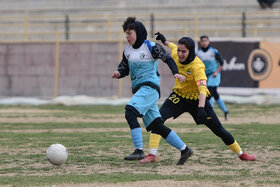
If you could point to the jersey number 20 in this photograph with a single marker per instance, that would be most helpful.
(174, 98)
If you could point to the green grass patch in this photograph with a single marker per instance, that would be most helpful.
(97, 156)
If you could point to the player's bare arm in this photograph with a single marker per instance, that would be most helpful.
(220, 60)
(218, 70)
(201, 114)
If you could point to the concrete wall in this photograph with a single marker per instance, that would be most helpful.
(28, 69)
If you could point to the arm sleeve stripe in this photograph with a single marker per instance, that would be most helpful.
(148, 43)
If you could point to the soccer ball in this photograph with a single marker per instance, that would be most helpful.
(57, 154)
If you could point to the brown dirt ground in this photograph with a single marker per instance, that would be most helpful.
(159, 183)
(81, 130)
(264, 157)
(31, 116)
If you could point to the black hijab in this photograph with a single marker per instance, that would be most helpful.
(205, 49)
(189, 43)
(141, 34)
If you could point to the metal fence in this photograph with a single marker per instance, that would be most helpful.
(96, 27)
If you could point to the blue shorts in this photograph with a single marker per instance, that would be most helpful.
(145, 102)
(214, 81)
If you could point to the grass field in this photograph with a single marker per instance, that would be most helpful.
(97, 139)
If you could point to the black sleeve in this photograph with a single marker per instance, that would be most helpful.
(158, 52)
(123, 67)
(219, 58)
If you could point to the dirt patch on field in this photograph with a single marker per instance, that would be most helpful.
(157, 183)
(272, 118)
(165, 183)
(86, 130)
(33, 119)
(28, 111)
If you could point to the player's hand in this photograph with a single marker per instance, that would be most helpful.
(181, 78)
(201, 116)
(160, 37)
(215, 74)
(116, 74)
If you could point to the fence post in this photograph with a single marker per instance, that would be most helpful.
(255, 30)
(109, 25)
(120, 88)
(243, 24)
(26, 28)
(195, 26)
(152, 18)
(67, 27)
(56, 74)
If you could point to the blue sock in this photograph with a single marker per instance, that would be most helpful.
(222, 105)
(174, 140)
(136, 135)
(211, 101)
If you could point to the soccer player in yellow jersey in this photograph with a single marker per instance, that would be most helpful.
(191, 96)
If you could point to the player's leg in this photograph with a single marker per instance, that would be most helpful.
(216, 127)
(167, 110)
(153, 145)
(172, 138)
(219, 101)
(131, 115)
(137, 107)
(211, 100)
(154, 123)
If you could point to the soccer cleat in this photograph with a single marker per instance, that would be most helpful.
(226, 115)
(138, 154)
(149, 158)
(247, 157)
(185, 154)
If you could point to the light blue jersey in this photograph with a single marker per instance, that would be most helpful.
(211, 65)
(142, 66)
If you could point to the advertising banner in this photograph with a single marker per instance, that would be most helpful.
(251, 64)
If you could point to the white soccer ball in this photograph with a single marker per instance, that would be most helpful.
(57, 154)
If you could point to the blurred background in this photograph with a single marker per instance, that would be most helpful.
(51, 48)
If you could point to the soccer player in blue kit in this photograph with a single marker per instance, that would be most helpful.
(140, 60)
(213, 62)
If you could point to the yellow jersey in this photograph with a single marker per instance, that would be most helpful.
(194, 72)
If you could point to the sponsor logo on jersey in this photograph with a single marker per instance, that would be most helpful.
(142, 56)
(188, 73)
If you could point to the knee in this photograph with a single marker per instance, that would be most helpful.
(131, 115)
(216, 95)
(157, 127)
